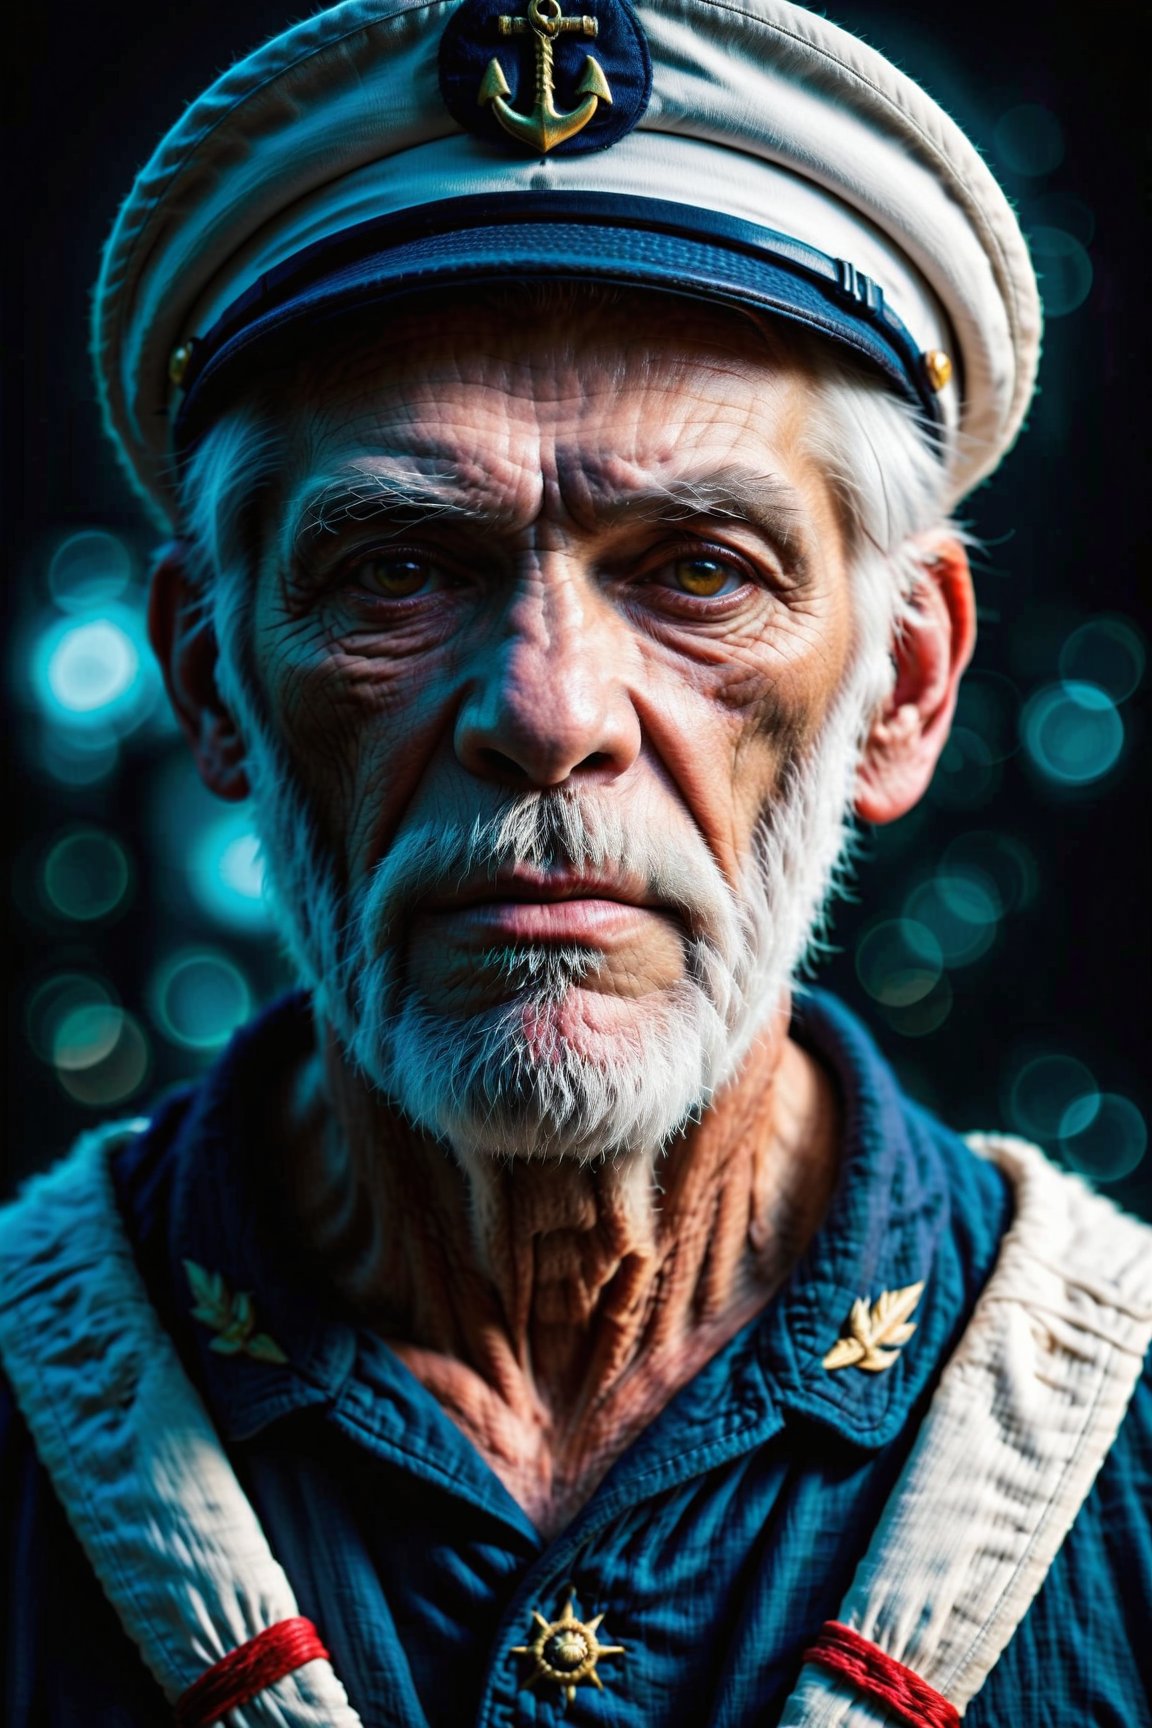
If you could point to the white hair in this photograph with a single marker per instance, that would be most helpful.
(483, 1086)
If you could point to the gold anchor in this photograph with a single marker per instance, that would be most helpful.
(546, 126)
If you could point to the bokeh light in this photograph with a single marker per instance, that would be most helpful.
(95, 671)
(90, 666)
(1064, 269)
(57, 998)
(961, 909)
(1042, 1092)
(84, 1036)
(88, 570)
(1104, 1136)
(1107, 652)
(1029, 139)
(920, 1019)
(77, 758)
(226, 872)
(1058, 209)
(1072, 732)
(99, 1072)
(996, 858)
(199, 997)
(1037, 641)
(898, 961)
(86, 875)
(988, 704)
(968, 774)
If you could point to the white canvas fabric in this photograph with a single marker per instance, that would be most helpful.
(1023, 1418)
(131, 1450)
(764, 111)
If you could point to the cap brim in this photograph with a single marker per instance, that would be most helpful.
(631, 242)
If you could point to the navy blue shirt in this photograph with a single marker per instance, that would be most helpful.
(716, 1546)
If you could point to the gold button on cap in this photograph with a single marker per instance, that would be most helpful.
(178, 363)
(938, 369)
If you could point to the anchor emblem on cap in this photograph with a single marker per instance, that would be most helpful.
(546, 125)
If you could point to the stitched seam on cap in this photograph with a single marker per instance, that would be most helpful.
(776, 29)
(938, 154)
(246, 96)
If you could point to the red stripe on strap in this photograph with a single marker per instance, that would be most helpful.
(881, 1677)
(239, 1676)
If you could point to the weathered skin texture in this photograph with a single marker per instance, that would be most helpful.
(571, 655)
(557, 1338)
(549, 640)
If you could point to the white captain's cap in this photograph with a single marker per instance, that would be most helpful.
(756, 155)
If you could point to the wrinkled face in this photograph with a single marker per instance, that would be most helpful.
(551, 644)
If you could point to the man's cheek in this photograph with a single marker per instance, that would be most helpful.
(359, 747)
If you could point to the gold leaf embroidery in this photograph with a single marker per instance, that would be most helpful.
(885, 1322)
(232, 1318)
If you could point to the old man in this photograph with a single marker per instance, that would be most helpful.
(556, 420)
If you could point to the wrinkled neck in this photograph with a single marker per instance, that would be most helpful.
(554, 1281)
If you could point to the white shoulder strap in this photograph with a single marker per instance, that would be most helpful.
(131, 1450)
(1025, 1413)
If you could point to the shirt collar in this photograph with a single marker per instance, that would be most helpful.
(888, 1227)
(891, 1224)
(227, 1218)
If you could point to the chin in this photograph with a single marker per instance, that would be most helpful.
(573, 1073)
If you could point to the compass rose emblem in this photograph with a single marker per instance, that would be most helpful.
(566, 1651)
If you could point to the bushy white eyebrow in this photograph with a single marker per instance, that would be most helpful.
(764, 502)
(359, 494)
(364, 494)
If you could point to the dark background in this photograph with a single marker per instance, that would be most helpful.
(1060, 976)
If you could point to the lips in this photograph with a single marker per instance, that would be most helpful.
(525, 905)
(527, 887)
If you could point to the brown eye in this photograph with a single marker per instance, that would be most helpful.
(704, 577)
(394, 577)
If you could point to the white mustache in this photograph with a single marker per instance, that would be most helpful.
(578, 831)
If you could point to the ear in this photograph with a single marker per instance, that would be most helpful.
(931, 651)
(184, 642)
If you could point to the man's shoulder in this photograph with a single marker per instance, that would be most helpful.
(64, 1316)
(64, 1656)
(1065, 1234)
(1071, 1386)
(132, 1160)
(1081, 1651)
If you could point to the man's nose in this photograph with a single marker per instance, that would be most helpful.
(553, 699)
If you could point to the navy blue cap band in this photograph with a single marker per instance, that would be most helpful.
(607, 237)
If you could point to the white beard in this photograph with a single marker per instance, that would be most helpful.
(506, 1081)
